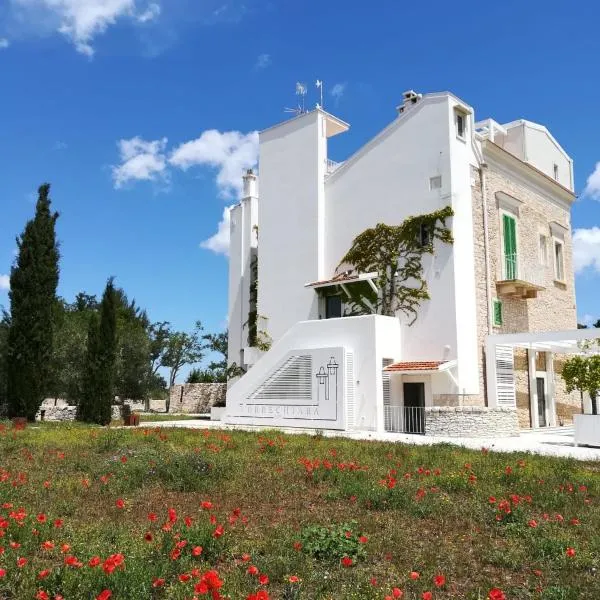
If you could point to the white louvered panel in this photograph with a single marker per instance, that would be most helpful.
(387, 394)
(505, 376)
(291, 381)
(350, 399)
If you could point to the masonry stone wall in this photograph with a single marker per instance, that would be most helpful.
(196, 398)
(61, 410)
(554, 308)
(470, 421)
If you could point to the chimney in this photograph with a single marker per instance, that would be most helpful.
(409, 99)
(250, 187)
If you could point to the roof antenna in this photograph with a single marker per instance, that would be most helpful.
(319, 85)
(301, 93)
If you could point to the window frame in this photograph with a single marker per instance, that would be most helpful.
(514, 217)
(543, 251)
(326, 303)
(463, 117)
(555, 170)
(436, 178)
(559, 276)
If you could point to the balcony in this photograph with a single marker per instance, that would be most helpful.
(519, 281)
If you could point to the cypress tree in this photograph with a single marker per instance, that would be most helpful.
(33, 283)
(97, 396)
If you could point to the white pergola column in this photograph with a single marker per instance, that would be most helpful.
(551, 405)
(533, 397)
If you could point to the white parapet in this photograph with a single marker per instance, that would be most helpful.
(587, 430)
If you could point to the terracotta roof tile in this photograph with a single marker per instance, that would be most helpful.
(432, 365)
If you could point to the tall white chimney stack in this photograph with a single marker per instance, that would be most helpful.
(250, 187)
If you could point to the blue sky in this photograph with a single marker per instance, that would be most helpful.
(142, 116)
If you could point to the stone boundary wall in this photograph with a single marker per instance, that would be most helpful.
(470, 421)
(196, 398)
(61, 410)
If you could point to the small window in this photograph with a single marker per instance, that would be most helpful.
(543, 250)
(556, 172)
(498, 316)
(425, 236)
(333, 307)
(559, 261)
(460, 125)
(435, 183)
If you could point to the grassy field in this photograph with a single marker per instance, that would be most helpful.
(92, 513)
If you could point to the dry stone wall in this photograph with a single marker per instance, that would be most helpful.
(470, 421)
(196, 398)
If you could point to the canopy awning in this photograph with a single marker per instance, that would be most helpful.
(345, 278)
(422, 367)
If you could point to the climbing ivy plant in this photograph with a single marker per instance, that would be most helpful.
(395, 252)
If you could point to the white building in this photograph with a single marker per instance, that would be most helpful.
(509, 267)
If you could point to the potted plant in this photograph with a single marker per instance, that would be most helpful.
(130, 419)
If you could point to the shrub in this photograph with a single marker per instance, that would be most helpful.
(333, 542)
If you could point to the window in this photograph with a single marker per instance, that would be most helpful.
(435, 183)
(425, 236)
(509, 230)
(543, 250)
(460, 125)
(498, 316)
(556, 172)
(333, 307)
(559, 261)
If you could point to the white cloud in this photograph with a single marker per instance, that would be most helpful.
(140, 161)
(337, 91)
(263, 61)
(592, 186)
(4, 43)
(231, 152)
(219, 243)
(586, 249)
(82, 20)
(4, 282)
(60, 145)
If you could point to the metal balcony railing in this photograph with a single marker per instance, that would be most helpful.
(513, 271)
(404, 419)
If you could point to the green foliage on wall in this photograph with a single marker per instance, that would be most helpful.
(395, 252)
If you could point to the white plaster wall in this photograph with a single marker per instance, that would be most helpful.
(292, 163)
(388, 181)
(235, 318)
(543, 154)
(369, 338)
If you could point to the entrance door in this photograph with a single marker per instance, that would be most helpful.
(414, 407)
(541, 401)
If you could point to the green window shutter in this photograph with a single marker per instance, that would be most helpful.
(498, 312)
(510, 246)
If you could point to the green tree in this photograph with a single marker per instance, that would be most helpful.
(100, 368)
(582, 374)
(395, 253)
(33, 283)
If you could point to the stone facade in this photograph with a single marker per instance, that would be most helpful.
(470, 421)
(554, 307)
(196, 398)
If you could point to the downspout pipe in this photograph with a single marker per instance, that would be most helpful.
(486, 246)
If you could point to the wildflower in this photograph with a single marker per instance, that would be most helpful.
(123, 459)
(158, 582)
(427, 596)
(104, 595)
(293, 579)
(21, 562)
(120, 503)
(43, 574)
(2, 573)
(297, 546)
(252, 570)
(263, 579)
(148, 536)
(439, 580)
(492, 500)
(58, 523)
(373, 581)
(414, 575)
(72, 561)
(347, 561)
(218, 532)
(206, 505)
(570, 552)
(41, 518)
(42, 595)
(575, 522)
(397, 592)
(188, 521)
(47, 545)
(197, 551)
(172, 515)
(152, 517)
(94, 561)
(245, 557)
(363, 540)
(496, 594)
(532, 523)
(184, 577)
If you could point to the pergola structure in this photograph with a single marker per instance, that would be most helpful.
(500, 378)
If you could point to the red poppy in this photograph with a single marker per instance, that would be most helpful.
(496, 594)
(48, 545)
(297, 546)
(94, 561)
(172, 515)
(123, 459)
(58, 523)
(347, 561)
(197, 551)
(219, 531)
(363, 540)
(245, 557)
(570, 552)
(439, 580)
(158, 582)
(532, 523)
(252, 570)
(104, 595)
(148, 536)
(188, 521)
(414, 575)
(152, 516)
(373, 581)
(43, 574)
(184, 577)
(2, 573)
(427, 595)
(293, 579)
(41, 518)
(397, 592)
(42, 595)
(21, 562)
(119, 504)
(206, 505)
